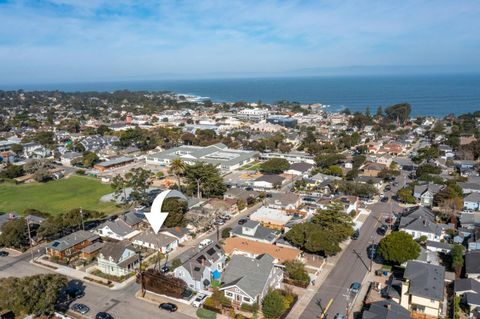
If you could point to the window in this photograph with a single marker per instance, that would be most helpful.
(228, 294)
(246, 299)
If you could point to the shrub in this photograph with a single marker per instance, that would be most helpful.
(206, 314)
(273, 305)
(226, 232)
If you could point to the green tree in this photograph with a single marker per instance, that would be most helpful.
(226, 232)
(176, 209)
(31, 295)
(296, 270)
(12, 171)
(176, 263)
(178, 168)
(274, 166)
(119, 185)
(273, 305)
(406, 195)
(326, 160)
(456, 257)
(89, 159)
(398, 112)
(398, 247)
(204, 180)
(14, 234)
(139, 180)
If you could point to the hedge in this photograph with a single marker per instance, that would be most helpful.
(206, 314)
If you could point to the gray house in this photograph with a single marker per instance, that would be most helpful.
(253, 230)
(199, 270)
(472, 265)
(425, 193)
(471, 202)
(469, 291)
(247, 280)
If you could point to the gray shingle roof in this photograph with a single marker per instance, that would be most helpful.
(472, 262)
(467, 284)
(420, 219)
(472, 197)
(72, 240)
(118, 227)
(261, 233)
(248, 274)
(386, 309)
(426, 280)
(115, 250)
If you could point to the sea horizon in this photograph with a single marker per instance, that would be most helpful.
(429, 94)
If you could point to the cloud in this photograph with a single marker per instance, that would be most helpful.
(60, 40)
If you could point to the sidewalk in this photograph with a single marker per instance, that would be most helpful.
(80, 275)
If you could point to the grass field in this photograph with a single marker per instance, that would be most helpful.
(56, 197)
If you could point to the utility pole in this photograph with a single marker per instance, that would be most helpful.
(81, 218)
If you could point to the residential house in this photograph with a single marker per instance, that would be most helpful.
(291, 157)
(199, 270)
(470, 219)
(469, 291)
(472, 265)
(385, 309)
(271, 218)
(471, 202)
(240, 194)
(70, 158)
(247, 280)
(117, 229)
(113, 163)
(425, 193)
(268, 181)
(158, 242)
(250, 248)
(284, 201)
(299, 169)
(423, 289)
(118, 259)
(182, 234)
(420, 222)
(349, 203)
(253, 230)
(469, 187)
(473, 240)
(71, 245)
(218, 206)
(438, 246)
(372, 169)
(91, 251)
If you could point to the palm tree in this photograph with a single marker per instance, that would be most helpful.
(178, 168)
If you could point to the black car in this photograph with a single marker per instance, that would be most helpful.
(165, 269)
(356, 234)
(382, 230)
(103, 315)
(384, 199)
(74, 293)
(388, 188)
(3, 253)
(242, 221)
(168, 306)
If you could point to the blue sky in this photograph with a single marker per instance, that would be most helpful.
(95, 40)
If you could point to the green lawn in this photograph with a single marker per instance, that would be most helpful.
(56, 197)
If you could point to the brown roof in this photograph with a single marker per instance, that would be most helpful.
(257, 248)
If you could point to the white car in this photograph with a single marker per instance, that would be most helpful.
(199, 300)
(204, 243)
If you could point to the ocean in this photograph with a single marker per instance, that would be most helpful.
(436, 95)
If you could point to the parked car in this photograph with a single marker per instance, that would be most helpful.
(339, 316)
(219, 222)
(3, 253)
(372, 251)
(388, 188)
(199, 300)
(168, 306)
(242, 221)
(74, 293)
(356, 234)
(80, 308)
(355, 287)
(384, 199)
(204, 243)
(165, 269)
(382, 230)
(103, 315)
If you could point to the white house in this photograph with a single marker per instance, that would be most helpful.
(160, 242)
(117, 259)
(118, 230)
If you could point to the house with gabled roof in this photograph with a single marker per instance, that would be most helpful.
(117, 229)
(199, 270)
(71, 245)
(423, 288)
(468, 290)
(425, 193)
(253, 230)
(247, 280)
(420, 221)
(118, 259)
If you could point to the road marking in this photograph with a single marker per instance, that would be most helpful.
(326, 309)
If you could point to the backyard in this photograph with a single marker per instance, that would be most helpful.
(57, 196)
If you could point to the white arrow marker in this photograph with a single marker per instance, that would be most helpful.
(156, 220)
